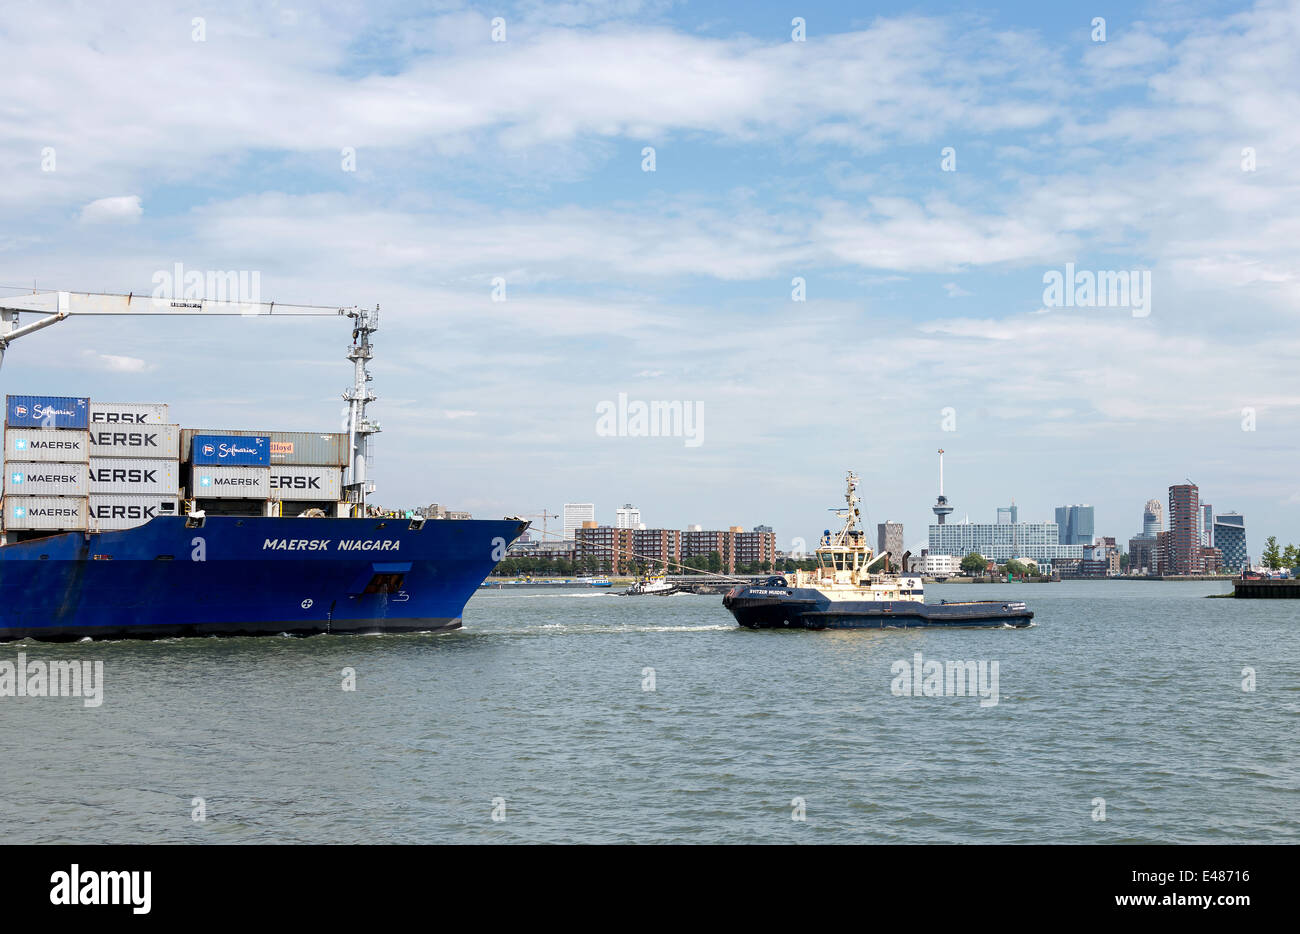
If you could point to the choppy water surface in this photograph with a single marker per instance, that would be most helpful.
(1131, 692)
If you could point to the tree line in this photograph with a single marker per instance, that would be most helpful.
(975, 564)
(1276, 558)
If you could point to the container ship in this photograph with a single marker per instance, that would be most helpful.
(843, 592)
(119, 523)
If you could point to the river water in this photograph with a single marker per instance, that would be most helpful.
(589, 717)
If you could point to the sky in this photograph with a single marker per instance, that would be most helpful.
(827, 231)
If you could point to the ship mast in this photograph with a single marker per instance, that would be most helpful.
(360, 428)
(850, 515)
(58, 306)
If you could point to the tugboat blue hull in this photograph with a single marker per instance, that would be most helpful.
(771, 608)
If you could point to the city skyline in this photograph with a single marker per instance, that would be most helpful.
(915, 542)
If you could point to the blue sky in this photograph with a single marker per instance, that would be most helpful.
(774, 159)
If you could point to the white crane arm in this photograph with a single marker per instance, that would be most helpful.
(104, 303)
(59, 306)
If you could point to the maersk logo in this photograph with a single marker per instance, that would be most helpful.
(122, 475)
(15, 478)
(20, 512)
(294, 483)
(22, 444)
(130, 439)
(228, 481)
(45, 478)
(205, 481)
(123, 512)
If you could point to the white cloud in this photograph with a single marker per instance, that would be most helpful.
(124, 209)
(252, 80)
(115, 363)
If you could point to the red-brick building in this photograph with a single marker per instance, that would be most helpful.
(621, 549)
(1180, 546)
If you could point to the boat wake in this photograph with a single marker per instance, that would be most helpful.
(601, 629)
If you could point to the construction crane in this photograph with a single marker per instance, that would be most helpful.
(543, 515)
(59, 306)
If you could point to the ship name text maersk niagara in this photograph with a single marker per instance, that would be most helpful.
(323, 544)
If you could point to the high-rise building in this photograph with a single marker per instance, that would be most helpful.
(1142, 555)
(1075, 524)
(627, 516)
(889, 537)
(1008, 515)
(1207, 525)
(1230, 540)
(1037, 540)
(1180, 545)
(1153, 522)
(574, 515)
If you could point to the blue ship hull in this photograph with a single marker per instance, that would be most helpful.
(767, 607)
(248, 576)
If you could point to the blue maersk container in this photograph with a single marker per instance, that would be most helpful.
(232, 450)
(47, 412)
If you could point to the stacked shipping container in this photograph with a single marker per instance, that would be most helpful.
(71, 464)
(287, 471)
(47, 453)
(134, 464)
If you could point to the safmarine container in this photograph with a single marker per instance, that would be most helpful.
(45, 512)
(45, 479)
(47, 412)
(135, 475)
(124, 440)
(294, 448)
(306, 483)
(46, 444)
(231, 450)
(129, 413)
(116, 511)
(213, 481)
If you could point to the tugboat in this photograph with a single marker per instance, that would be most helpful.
(654, 586)
(844, 593)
